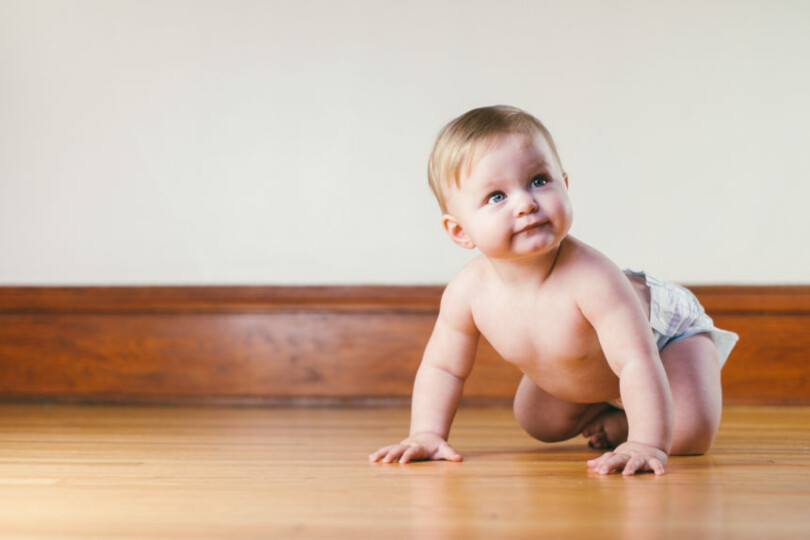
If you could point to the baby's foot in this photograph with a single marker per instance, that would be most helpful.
(608, 430)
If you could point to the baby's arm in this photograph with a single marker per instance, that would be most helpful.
(446, 363)
(613, 309)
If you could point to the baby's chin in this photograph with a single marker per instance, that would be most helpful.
(535, 242)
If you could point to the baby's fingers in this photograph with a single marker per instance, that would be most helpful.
(641, 464)
(412, 453)
(446, 452)
(408, 451)
(626, 464)
(388, 454)
(608, 463)
(634, 464)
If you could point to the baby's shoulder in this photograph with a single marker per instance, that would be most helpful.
(459, 297)
(467, 282)
(586, 268)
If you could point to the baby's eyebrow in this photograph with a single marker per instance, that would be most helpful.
(541, 164)
(532, 168)
(492, 184)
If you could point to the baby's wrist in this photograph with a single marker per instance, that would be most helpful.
(425, 433)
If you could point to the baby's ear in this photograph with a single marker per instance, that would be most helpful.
(456, 232)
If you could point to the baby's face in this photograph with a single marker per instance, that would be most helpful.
(513, 202)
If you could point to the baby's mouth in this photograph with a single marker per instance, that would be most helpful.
(531, 226)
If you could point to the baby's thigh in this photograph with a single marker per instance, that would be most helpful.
(549, 418)
(693, 369)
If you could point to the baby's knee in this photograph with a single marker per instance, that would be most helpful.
(694, 436)
(546, 433)
(543, 427)
(695, 446)
(527, 420)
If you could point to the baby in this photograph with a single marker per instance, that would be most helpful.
(577, 326)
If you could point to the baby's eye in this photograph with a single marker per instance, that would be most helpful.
(496, 197)
(539, 180)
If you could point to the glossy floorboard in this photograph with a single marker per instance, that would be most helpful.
(151, 472)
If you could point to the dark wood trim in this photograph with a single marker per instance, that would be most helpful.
(759, 299)
(791, 299)
(234, 299)
(316, 345)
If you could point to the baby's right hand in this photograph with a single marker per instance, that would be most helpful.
(418, 447)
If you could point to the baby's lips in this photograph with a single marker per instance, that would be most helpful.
(532, 225)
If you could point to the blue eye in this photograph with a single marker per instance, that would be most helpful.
(540, 180)
(496, 198)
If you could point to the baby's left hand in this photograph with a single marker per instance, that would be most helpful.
(630, 458)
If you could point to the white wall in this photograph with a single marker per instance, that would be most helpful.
(257, 142)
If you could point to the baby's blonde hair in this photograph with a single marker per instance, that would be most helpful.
(461, 141)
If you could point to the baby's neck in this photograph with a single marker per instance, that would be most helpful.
(528, 272)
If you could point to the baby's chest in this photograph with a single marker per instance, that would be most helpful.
(538, 335)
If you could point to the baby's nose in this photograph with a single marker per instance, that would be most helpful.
(526, 204)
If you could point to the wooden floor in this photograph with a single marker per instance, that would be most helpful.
(150, 472)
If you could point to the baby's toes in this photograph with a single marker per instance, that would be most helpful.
(594, 432)
(593, 427)
(598, 441)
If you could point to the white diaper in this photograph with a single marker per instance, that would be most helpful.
(675, 313)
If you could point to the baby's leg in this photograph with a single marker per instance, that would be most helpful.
(548, 418)
(693, 370)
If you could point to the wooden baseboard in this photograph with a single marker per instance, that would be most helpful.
(316, 345)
